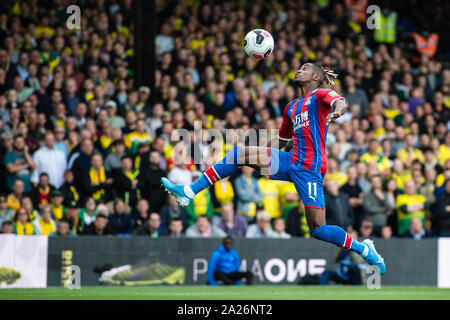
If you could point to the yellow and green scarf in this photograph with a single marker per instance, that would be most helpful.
(100, 177)
(23, 229)
(46, 227)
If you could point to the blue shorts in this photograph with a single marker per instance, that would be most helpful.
(309, 184)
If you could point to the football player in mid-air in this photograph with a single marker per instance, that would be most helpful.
(306, 123)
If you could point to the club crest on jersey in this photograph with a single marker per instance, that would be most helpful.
(332, 93)
(301, 120)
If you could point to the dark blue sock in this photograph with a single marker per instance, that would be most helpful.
(220, 170)
(339, 237)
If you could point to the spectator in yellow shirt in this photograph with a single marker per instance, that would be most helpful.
(22, 224)
(334, 173)
(418, 177)
(45, 224)
(13, 199)
(399, 174)
(410, 205)
(444, 150)
(442, 177)
(137, 137)
(378, 127)
(288, 196)
(410, 153)
(222, 193)
(374, 155)
(270, 196)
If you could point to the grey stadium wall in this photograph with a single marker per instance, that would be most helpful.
(140, 260)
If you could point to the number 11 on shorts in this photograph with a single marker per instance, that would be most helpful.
(312, 190)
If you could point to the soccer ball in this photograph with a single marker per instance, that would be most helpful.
(258, 43)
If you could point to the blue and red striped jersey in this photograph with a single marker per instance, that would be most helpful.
(305, 121)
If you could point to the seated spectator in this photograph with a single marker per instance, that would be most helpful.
(22, 223)
(222, 193)
(100, 226)
(88, 213)
(180, 174)
(116, 121)
(279, 226)
(26, 203)
(149, 181)
(123, 220)
(204, 229)
(60, 144)
(56, 201)
(171, 211)
(126, 182)
(50, 160)
(410, 152)
(233, 225)
(141, 212)
(13, 199)
(248, 193)
(6, 214)
(80, 162)
(428, 187)
(7, 227)
(443, 218)
(366, 229)
(140, 159)
(201, 205)
(416, 230)
(112, 160)
(68, 189)
(175, 229)
(225, 264)
(133, 139)
(352, 160)
(45, 224)
(19, 164)
(354, 192)
(151, 228)
(410, 205)
(40, 194)
(72, 218)
(376, 204)
(374, 155)
(386, 232)
(339, 211)
(400, 174)
(97, 184)
(362, 174)
(270, 191)
(289, 197)
(262, 227)
(335, 174)
(62, 230)
(296, 225)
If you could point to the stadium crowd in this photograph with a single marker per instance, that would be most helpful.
(83, 148)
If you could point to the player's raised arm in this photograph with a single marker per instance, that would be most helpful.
(340, 107)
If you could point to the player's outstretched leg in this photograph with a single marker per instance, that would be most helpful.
(337, 235)
(222, 169)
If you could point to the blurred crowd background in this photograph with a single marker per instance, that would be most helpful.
(83, 148)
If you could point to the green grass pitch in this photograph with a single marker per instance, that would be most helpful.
(229, 293)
